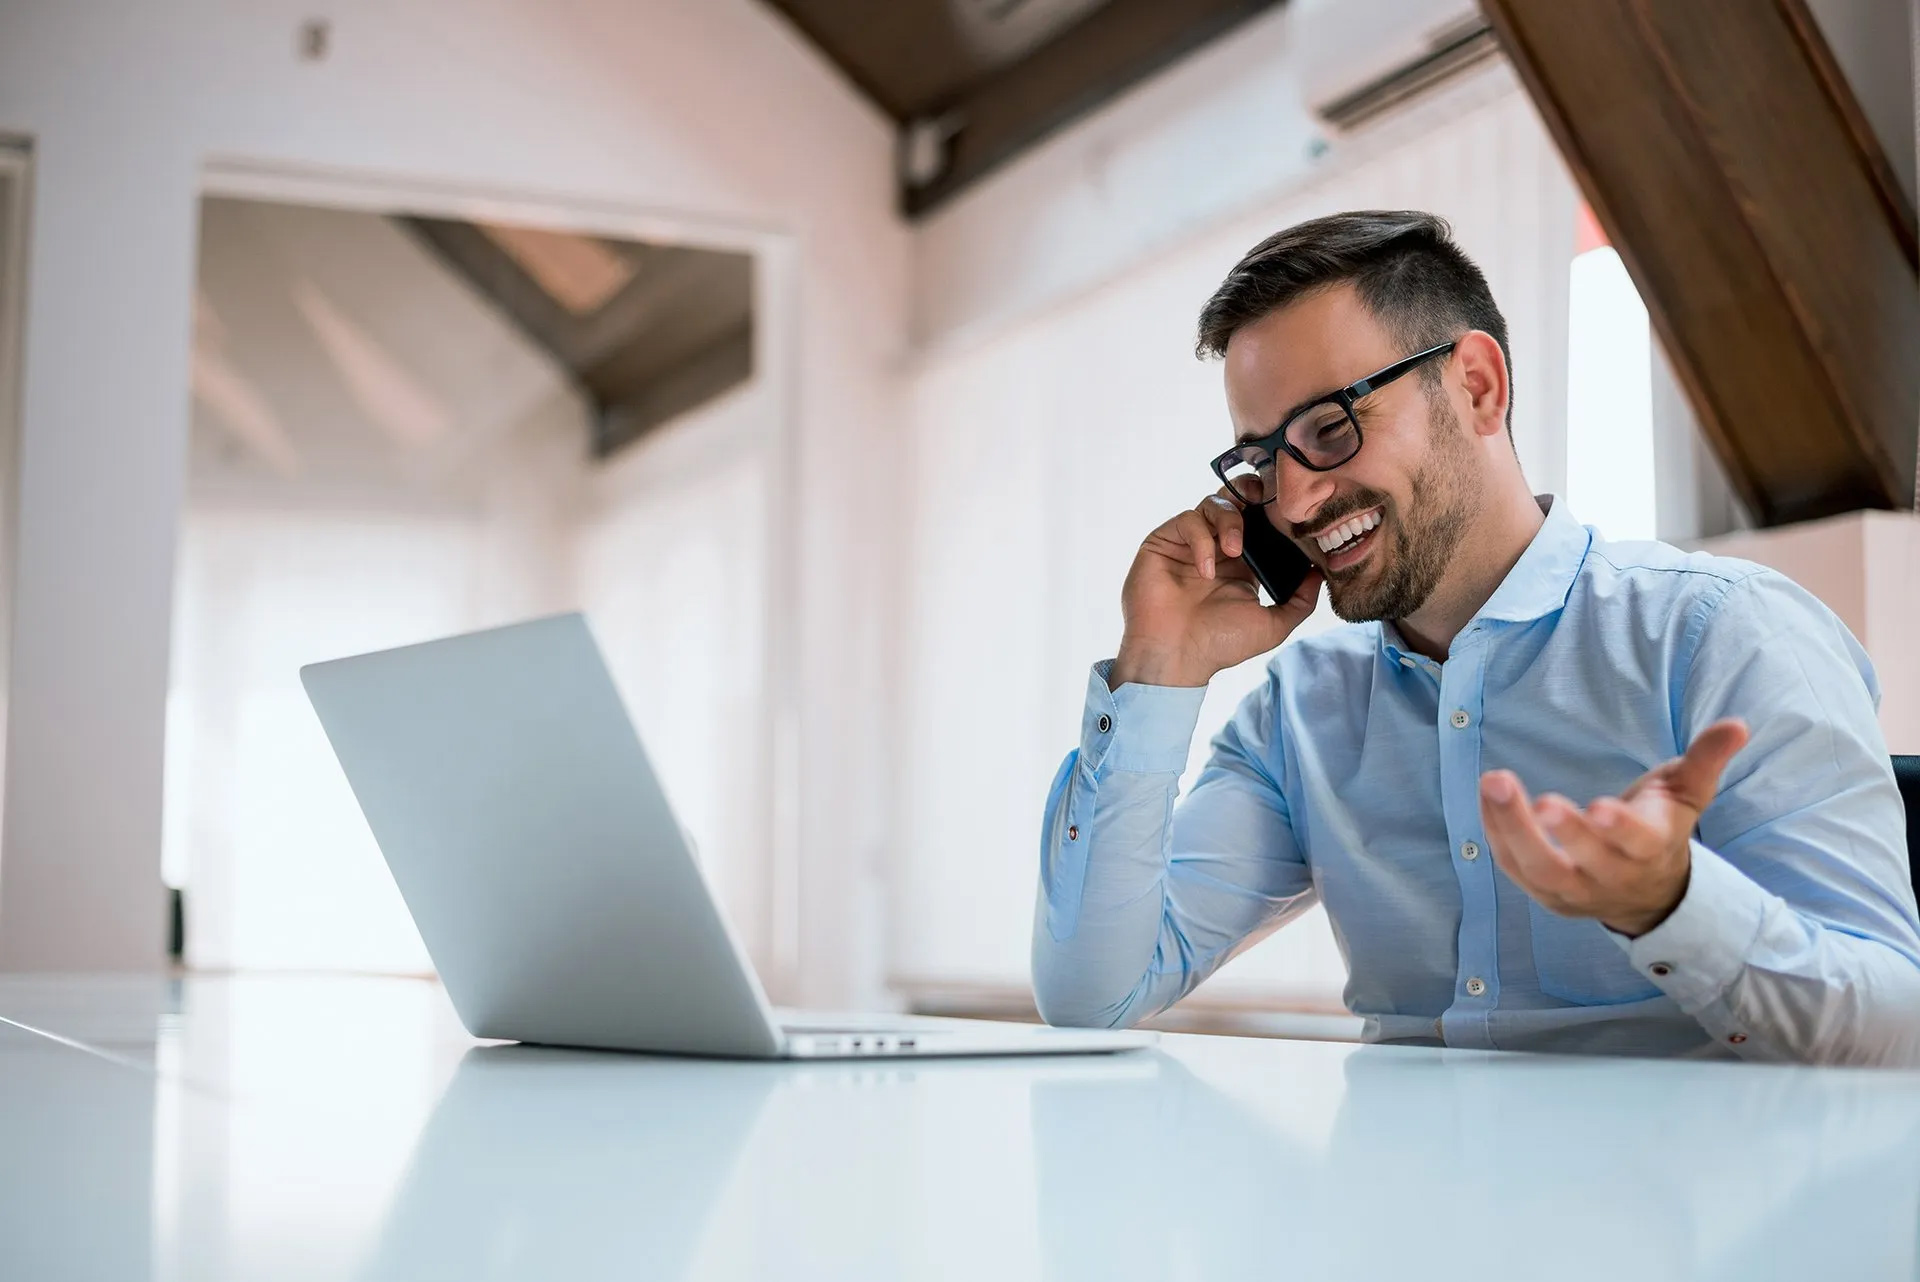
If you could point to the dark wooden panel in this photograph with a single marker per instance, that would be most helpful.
(999, 75)
(725, 363)
(1753, 211)
(678, 333)
(911, 57)
(1113, 48)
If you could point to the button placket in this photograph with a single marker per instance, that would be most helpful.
(1462, 683)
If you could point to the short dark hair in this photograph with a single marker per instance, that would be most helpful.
(1403, 263)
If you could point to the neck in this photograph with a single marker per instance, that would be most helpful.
(1486, 555)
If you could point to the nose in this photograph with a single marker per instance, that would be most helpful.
(1299, 492)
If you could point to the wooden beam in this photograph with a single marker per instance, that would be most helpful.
(1735, 174)
(1118, 44)
(677, 334)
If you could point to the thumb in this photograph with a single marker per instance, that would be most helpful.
(1695, 777)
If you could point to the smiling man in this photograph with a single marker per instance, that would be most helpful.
(1555, 792)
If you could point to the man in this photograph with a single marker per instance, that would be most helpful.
(1555, 792)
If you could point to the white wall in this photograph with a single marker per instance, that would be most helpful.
(15, 169)
(699, 109)
(1220, 134)
(1865, 567)
(709, 110)
(1043, 453)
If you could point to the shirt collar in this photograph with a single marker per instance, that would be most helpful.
(1539, 581)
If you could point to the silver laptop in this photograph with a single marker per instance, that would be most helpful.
(552, 885)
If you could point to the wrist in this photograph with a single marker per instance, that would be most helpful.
(1147, 665)
(1637, 924)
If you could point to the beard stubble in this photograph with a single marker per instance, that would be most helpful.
(1442, 497)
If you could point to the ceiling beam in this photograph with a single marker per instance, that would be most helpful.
(1731, 167)
(676, 334)
(1113, 48)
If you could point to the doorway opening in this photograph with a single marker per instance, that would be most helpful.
(416, 415)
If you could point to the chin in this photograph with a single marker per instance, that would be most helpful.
(1369, 597)
(1351, 605)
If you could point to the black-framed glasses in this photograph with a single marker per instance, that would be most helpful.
(1319, 437)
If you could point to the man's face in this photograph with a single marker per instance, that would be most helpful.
(1418, 473)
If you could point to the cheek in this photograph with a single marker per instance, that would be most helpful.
(1381, 480)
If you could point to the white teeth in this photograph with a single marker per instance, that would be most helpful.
(1347, 531)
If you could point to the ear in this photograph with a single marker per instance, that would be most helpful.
(1483, 375)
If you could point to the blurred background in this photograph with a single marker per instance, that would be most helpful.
(834, 357)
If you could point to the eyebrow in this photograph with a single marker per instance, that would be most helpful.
(1247, 438)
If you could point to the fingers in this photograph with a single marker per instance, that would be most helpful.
(1211, 531)
(1577, 835)
(1193, 530)
(1228, 525)
(1695, 777)
(1522, 849)
(1634, 834)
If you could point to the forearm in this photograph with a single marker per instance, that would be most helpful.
(1105, 845)
(1139, 899)
(1102, 909)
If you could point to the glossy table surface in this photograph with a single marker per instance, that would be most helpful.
(291, 1128)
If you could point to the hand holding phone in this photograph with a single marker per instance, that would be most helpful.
(1192, 599)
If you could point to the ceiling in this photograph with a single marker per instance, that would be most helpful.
(972, 83)
(647, 331)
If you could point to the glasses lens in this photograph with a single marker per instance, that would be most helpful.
(1249, 473)
(1324, 434)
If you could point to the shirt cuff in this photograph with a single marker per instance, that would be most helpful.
(1139, 729)
(1700, 949)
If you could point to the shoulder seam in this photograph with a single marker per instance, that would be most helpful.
(1705, 572)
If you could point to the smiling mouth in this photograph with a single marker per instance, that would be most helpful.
(1348, 534)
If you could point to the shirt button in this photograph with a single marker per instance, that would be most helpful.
(1476, 986)
(1660, 969)
(1460, 719)
(1073, 832)
(1469, 850)
(1106, 723)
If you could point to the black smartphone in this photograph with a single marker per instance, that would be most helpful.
(1275, 559)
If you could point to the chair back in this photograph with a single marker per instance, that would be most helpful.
(1906, 772)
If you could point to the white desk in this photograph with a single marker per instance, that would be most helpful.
(290, 1129)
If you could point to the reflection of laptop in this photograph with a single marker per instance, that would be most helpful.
(545, 1163)
(550, 881)
(541, 1163)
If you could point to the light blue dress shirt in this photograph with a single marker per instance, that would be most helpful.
(1351, 778)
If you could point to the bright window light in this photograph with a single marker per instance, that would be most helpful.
(1609, 400)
